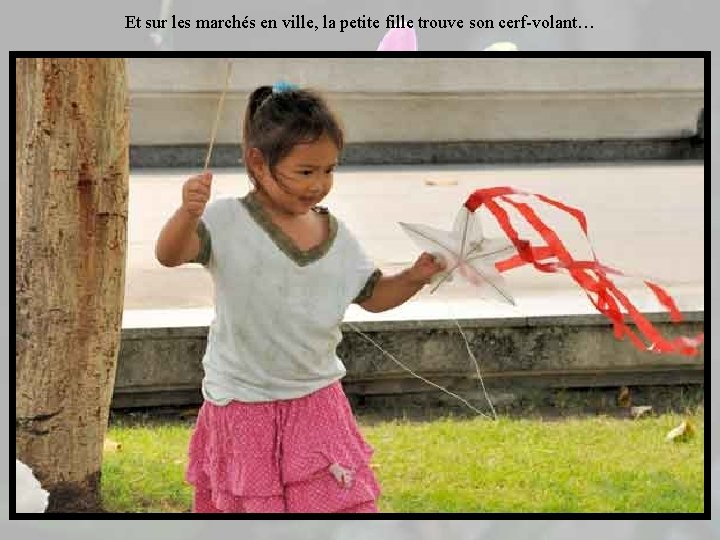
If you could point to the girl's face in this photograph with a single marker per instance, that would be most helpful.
(301, 179)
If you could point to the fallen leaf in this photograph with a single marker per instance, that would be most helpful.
(682, 433)
(111, 446)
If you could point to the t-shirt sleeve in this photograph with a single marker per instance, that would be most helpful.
(214, 220)
(203, 256)
(369, 287)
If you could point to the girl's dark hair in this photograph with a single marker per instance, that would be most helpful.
(276, 121)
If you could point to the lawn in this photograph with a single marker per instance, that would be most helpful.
(595, 464)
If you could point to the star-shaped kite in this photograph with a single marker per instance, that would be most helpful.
(465, 250)
(482, 260)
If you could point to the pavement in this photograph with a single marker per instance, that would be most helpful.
(645, 219)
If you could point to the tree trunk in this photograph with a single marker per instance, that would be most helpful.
(71, 186)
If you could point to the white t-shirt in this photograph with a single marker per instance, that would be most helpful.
(277, 309)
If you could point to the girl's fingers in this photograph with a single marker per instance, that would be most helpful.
(198, 193)
(429, 259)
(200, 181)
(196, 200)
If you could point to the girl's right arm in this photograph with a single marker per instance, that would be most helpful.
(178, 242)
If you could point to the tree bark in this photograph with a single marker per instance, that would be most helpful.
(71, 186)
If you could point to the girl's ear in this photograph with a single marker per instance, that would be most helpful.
(256, 163)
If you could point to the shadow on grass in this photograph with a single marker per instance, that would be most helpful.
(549, 405)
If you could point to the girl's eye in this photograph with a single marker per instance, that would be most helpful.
(306, 173)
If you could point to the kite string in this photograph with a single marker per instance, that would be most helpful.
(427, 381)
(218, 112)
(462, 335)
(477, 368)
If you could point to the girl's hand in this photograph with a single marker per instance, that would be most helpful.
(425, 268)
(196, 193)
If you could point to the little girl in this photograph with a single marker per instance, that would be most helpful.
(275, 432)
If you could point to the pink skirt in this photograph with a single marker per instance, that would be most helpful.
(297, 455)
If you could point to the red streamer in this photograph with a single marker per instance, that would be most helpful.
(591, 276)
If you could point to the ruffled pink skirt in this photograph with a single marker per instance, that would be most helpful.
(298, 455)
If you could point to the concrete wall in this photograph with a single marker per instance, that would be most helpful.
(174, 101)
(162, 366)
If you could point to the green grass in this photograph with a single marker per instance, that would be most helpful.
(597, 464)
(147, 473)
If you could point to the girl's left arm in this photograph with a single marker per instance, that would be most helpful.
(392, 291)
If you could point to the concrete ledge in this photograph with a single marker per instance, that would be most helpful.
(162, 366)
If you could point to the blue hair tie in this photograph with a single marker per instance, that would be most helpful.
(283, 86)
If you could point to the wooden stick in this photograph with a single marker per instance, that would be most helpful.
(217, 115)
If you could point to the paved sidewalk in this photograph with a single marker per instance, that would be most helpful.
(644, 219)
